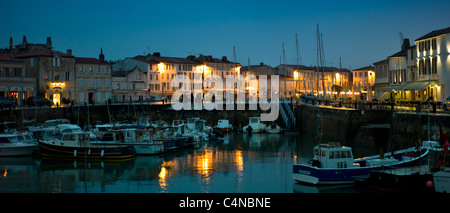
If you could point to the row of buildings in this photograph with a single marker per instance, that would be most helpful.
(417, 72)
(414, 73)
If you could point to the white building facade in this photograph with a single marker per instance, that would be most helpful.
(433, 63)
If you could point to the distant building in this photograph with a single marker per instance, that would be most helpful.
(129, 85)
(257, 70)
(158, 71)
(52, 71)
(15, 81)
(433, 65)
(93, 80)
(363, 80)
(304, 80)
(381, 79)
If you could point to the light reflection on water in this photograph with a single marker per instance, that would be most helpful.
(241, 163)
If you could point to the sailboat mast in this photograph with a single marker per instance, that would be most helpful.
(322, 61)
(317, 70)
(298, 65)
(285, 72)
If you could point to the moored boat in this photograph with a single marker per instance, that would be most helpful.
(273, 129)
(10, 145)
(254, 125)
(334, 164)
(223, 125)
(77, 145)
(140, 138)
(414, 178)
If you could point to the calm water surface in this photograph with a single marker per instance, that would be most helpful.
(242, 163)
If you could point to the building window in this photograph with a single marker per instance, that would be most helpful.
(56, 76)
(81, 82)
(428, 66)
(91, 83)
(99, 83)
(56, 61)
(434, 66)
(106, 82)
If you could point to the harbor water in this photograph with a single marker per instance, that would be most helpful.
(242, 163)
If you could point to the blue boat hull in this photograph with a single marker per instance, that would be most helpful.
(309, 174)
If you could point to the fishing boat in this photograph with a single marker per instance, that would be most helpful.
(334, 164)
(223, 126)
(174, 137)
(140, 138)
(414, 178)
(10, 145)
(78, 145)
(254, 125)
(273, 129)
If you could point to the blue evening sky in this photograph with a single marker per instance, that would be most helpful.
(360, 32)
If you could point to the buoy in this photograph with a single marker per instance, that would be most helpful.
(429, 184)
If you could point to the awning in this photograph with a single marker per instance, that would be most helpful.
(391, 88)
(417, 86)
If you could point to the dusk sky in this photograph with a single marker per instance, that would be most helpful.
(360, 32)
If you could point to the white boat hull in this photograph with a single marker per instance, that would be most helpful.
(17, 150)
(441, 182)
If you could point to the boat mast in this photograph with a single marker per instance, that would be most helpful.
(317, 71)
(322, 61)
(285, 72)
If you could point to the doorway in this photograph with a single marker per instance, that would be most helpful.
(91, 98)
(56, 99)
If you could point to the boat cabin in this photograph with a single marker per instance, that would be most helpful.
(333, 156)
(222, 123)
(71, 139)
(8, 138)
(254, 120)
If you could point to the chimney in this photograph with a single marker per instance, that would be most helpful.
(24, 41)
(11, 44)
(101, 57)
(157, 54)
(69, 51)
(224, 58)
(261, 64)
(48, 45)
(191, 58)
(405, 44)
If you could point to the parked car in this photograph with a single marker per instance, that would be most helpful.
(7, 102)
(38, 101)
